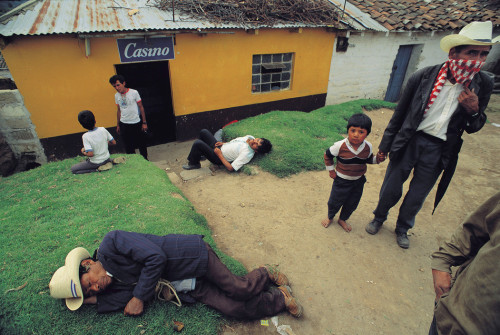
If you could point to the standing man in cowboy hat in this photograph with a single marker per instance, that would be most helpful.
(130, 268)
(424, 133)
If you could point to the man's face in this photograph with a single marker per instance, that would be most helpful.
(120, 87)
(471, 52)
(95, 280)
(255, 143)
(357, 135)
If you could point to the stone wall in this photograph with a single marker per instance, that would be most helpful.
(17, 129)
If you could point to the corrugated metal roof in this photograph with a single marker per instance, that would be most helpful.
(40, 17)
(357, 19)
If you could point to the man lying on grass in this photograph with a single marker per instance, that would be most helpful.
(233, 155)
(129, 269)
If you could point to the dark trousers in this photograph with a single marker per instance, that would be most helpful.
(423, 156)
(133, 137)
(242, 297)
(433, 328)
(87, 166)
(346, 194)
(204, 146)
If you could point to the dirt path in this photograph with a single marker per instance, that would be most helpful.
(348, 283)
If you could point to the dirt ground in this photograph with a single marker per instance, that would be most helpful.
(348, 283)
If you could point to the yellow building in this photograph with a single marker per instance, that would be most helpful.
(207, 77)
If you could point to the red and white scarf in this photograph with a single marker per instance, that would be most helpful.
(461, 69)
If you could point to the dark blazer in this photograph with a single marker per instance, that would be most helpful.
(137, 261)
(409, 114)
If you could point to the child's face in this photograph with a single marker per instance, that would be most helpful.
(357, 135)
(120, 87)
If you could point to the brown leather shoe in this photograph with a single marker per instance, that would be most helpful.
(276, 276)
(292, 305)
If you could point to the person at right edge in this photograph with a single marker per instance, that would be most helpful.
(438, 104)
(470, 302)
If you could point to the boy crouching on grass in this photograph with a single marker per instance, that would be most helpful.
(353, 153)
(95, 146)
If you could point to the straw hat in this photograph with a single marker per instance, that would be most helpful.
(65, 283)
(475, 33)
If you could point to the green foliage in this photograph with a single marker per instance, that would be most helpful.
(299, 139)
(46, 212)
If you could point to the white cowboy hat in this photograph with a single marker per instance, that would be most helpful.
(65, 283)
(475, 33)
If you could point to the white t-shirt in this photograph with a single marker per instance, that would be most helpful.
(128, 106)
(96, 140)
(238, 151)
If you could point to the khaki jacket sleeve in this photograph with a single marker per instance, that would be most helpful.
(469, 237)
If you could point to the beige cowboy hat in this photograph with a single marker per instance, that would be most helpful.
(65, 283)
(475, 33)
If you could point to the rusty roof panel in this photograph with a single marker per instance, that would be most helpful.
(40, 17)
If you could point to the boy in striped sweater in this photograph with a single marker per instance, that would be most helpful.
(353, 153)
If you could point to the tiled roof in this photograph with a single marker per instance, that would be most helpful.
(429, 15)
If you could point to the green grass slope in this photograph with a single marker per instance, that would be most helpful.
(46, 212)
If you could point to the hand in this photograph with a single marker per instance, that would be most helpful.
(469, 100)
(134, 307)
(333, 174)
(144, 127)
(118, 129)
(442, 282)
(381, 156)
(90, 300)
(83, 151)
(218, 144)
(218, 152)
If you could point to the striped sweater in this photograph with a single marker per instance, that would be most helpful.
(351, 164)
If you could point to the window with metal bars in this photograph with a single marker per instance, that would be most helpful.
(271, 72)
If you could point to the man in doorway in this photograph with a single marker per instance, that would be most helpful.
(424, 133)
(131, 118)
(130, 268)
(233, 155)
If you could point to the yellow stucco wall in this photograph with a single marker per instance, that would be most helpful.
(57, 81)
(209, 72)
(215, 71)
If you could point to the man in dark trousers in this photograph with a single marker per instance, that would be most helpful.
(424, 134)
(131, 121)
(128, 267)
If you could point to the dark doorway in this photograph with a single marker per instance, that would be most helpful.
(152, 81)
(398, 73)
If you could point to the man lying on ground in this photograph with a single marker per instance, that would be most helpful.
(233, 155)
(130, 269)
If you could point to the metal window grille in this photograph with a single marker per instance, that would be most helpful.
(271, 72)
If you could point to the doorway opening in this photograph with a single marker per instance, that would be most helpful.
(152, 81)
(398, 73)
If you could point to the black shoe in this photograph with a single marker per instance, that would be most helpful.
(403, 240)
(191, 166)
(373, 227)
